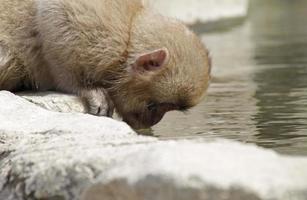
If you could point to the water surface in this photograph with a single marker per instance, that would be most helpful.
(259, 91)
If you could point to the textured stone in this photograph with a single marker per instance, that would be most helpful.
(52, 155)
(56, 102)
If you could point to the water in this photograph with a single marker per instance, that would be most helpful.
(259, 91)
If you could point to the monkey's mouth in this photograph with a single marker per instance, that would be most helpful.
(150, 117)
(143, 120)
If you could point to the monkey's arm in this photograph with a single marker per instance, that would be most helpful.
(12, 72)
(98, 102)
(81, 49)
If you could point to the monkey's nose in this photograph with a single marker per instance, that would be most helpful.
(157, 117)
(143, 121)
(156, 120)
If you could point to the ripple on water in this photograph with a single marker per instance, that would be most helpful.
(259, 91)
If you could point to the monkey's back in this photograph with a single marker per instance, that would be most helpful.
(19, 46)
(91, 38)
(26, 26)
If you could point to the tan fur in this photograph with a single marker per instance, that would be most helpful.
(77, 45)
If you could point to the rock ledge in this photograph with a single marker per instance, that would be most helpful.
(52, 155)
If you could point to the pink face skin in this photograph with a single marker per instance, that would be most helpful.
(152, 115)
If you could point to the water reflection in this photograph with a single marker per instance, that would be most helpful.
(259, 92)
(281, 54)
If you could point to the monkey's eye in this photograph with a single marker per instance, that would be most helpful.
(151, 106)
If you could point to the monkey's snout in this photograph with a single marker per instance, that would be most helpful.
(152, 116)
(143, 121)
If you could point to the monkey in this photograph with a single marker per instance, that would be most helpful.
(115, 54)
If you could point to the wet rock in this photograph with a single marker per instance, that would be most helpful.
(202, 11)
(52, 155)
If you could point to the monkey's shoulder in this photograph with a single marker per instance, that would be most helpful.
(5, 55)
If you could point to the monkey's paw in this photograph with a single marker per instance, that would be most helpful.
(98, 102)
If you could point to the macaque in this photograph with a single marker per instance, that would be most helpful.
(115, 54)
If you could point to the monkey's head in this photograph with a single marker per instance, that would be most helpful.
(168, 68)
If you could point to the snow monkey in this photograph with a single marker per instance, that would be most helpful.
(115, 54)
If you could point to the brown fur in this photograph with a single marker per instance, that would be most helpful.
(78, 45)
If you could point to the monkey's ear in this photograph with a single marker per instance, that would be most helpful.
(151, 61)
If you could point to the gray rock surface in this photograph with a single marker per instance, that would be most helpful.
(202, 11)
(55, 102)
(52, 155)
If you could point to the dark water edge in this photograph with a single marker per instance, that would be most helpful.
(259, 91)
(222, 25)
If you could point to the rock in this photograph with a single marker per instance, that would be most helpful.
(52, 155)
(20, 116)
(32, 140)
(56, 101)
(202, 11)
(203, 170)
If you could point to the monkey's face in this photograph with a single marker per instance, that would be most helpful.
(157, 86)
(136, 101)
(168, 68)
(148, 116)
